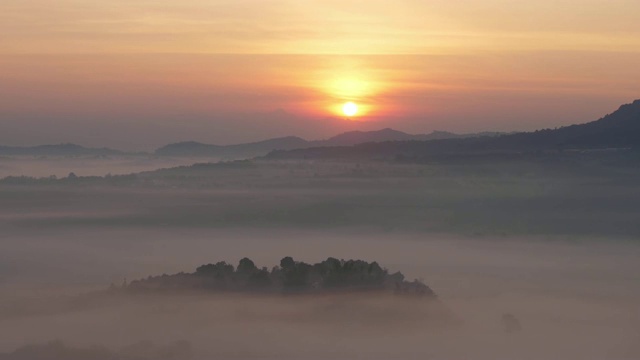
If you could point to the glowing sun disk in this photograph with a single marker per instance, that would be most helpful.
(350, 108)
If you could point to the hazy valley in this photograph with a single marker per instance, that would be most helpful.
(503, 230)
(553, 242)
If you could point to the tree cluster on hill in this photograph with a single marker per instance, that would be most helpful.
(330, 275)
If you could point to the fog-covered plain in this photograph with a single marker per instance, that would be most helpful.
(554, 245)
(61, 166)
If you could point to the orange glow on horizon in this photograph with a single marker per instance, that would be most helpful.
(283, 67)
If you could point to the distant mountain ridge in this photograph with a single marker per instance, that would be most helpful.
(358, 137)
(259, 148)
(192, 148)
(57, 150)
(620, 129)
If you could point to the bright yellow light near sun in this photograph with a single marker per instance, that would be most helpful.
(349, 87)
(350, 108)
(354, 87)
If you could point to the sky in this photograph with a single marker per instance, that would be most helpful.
(136, 75)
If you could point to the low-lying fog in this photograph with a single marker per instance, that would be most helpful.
(555, 246)
(61, 166)
(574, 299)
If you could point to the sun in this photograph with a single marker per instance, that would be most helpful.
(350, 108)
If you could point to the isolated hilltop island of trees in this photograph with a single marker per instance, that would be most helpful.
(329, 276)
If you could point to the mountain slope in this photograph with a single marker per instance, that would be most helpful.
(359, 137)
(192, 148)
(620, 129)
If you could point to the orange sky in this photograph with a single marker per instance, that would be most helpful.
(137, 74)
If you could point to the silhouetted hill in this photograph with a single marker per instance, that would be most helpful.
(618, 130)
(359, 137)
(192, 148)
(57, 150)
